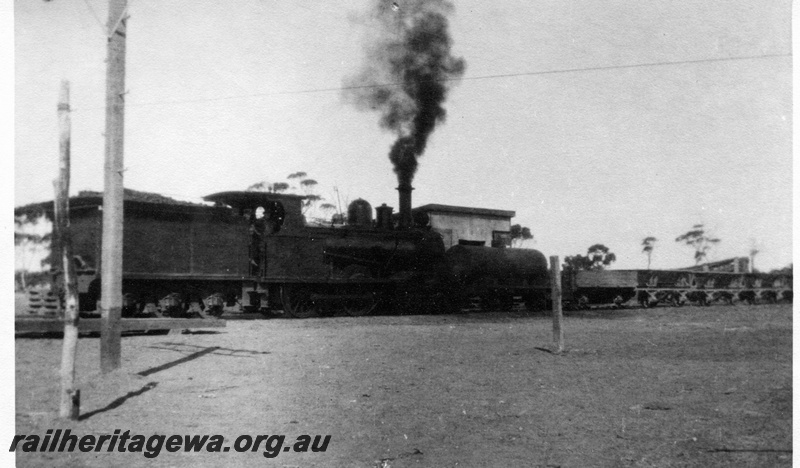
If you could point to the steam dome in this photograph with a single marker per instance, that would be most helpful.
(359, 213)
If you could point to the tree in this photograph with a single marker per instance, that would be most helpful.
(699, 240)
(308, 184)
(647, 248)
(754, 250)
(577, 262)
(264, 186)
(310, 202)
(597, 257)
(327, 208)
(600, 256)
(31, 241)
(787, 270)
(306, 188)
(519, 234)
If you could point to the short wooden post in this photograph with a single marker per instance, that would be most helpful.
(555, 282)
(70, 396)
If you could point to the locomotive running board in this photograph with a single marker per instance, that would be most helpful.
(187, 276)
(340, 297)
(320, 281)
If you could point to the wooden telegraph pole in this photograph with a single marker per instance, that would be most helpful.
(555, 282)
(111, 257)
(70, 396)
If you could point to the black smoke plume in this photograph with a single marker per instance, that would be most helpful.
(408, 71)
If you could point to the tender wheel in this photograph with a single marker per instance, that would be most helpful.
(214, 306)
(130, 305)
(151, 310)
(297, 302)
(172, 305)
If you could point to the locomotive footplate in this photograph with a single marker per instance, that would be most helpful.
(307, 300)
(340, 297)
(317, 281)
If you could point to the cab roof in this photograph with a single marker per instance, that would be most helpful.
(243, 199)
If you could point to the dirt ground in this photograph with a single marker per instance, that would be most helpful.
(636, 388)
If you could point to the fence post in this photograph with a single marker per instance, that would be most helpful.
(70, 396)
(555, 283)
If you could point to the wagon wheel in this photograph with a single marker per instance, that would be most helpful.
(643, 299)
(297, 302)
(673, 299)
(788, 296)
(771, 297)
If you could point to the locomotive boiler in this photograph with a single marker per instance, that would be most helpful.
(497, 275)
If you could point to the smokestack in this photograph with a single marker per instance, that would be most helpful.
(408, 71)
(404, 191)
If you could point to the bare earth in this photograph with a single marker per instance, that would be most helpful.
(661, 387)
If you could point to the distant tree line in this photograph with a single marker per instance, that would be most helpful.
(699, 240)
(305, 186)
(520, 234)
(597, 257)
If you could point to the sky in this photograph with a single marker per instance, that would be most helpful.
(596, 121)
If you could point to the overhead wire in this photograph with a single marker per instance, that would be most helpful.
(467, 78)
(94, 14)
(104, 27)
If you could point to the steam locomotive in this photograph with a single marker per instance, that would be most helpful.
(254, 251)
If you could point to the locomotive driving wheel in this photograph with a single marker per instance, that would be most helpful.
(536, 302)
(297, 303)
(364, 305)
(360, 307)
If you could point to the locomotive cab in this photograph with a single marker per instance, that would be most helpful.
(280, 210)
(267, 214)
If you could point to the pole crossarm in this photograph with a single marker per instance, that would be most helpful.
(122, 17)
